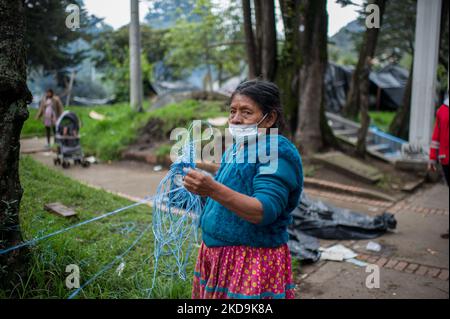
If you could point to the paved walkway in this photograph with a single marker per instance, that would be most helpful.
(133, 180)
(414, 260)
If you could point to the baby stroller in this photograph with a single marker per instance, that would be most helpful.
(68, 141)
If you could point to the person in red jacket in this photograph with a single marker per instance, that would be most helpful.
(439, 145)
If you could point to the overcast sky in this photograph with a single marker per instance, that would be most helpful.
(117, 12)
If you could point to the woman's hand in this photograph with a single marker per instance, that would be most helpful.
(242, 205)
(199, 183)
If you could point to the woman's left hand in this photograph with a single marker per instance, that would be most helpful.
(199, 183)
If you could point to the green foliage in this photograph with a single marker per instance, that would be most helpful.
(163, 151)
(164, 13)
(91, 246)
(381, 119)
(207, 40)
(397, 31)
(105, 139)
(115, 58)
(47, 37)
(108, 138)
(341, 57)
(32, 127)
(183, 113)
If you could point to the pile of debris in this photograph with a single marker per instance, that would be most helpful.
(314, 220)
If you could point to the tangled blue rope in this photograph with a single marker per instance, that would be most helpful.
(63, 230)
(108, 266)
(176, 215)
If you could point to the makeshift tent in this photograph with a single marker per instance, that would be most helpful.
(387, 87)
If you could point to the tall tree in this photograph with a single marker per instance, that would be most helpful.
(48, 40)
(400, 123)
(163, 14)
(364, 86)
(396, 41)
(358, 96)
(252, 60)
(269, 39)
(52, 48)
(289, 63)
(367, 52)
(262, 53)
(14, 96)
(113, 59)
(313, 132)
(208, 41)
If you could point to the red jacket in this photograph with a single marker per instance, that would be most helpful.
(439, 143)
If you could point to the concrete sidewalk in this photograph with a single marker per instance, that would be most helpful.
(413, 261)
(129, 179)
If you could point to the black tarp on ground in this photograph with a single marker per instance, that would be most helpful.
(315, 219)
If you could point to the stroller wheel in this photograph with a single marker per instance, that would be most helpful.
(65, 164)
(85, 164)
(57, 161)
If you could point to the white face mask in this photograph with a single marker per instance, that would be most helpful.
(239, 131)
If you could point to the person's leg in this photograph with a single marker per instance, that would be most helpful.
(445, 169)
(47, 131)
(54, 134)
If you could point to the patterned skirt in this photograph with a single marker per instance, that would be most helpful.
(239, 272)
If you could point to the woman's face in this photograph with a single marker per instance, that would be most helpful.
(243, 110)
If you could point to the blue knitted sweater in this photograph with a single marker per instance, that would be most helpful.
(277, 187)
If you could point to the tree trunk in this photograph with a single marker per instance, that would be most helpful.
(259, 35)
(313, 132)
(250, 40)
(289, 63)
(364, 111)
(443, 51)
(14, 96)
(262, 51)
(400, 124)
(367, 51)
(269, 41)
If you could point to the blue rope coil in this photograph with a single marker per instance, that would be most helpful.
(176, 216)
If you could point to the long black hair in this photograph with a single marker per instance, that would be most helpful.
(266, 95)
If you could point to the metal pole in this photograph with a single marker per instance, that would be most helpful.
(135, 59)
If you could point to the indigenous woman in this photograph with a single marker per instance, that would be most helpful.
(244, 253)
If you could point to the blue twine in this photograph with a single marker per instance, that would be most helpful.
(176, 217)
(108, 266)
(58, 232)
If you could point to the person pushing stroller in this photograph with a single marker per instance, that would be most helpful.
(50, 109)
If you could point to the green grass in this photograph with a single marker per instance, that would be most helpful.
(91, 246)
(108, 138)
(381, 119)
